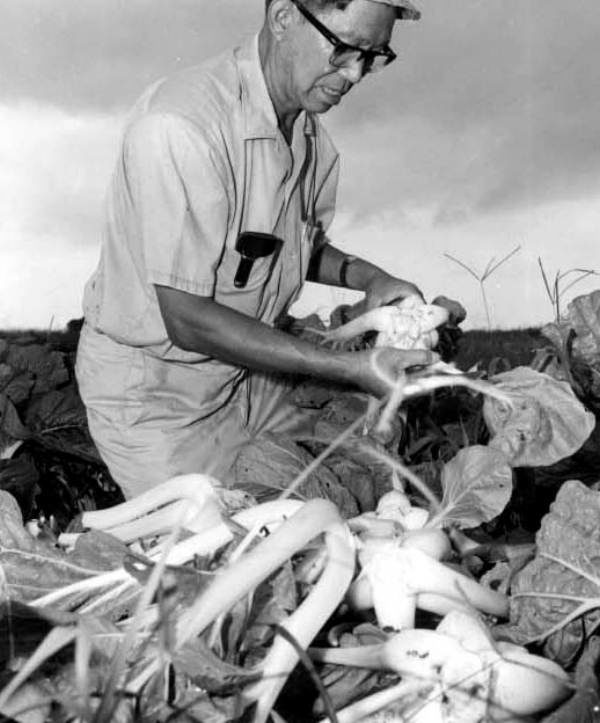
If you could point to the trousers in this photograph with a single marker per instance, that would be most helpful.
(153, 419)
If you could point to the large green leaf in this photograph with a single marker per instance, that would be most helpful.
(584, 317)
(585, 703)
(477, 485)
(563, 575)
(22, 628)
(46, 366)
(545, 423)
(10, 422)
(17, 385)
(267, 465)
(56, 409)
(208, 671)
(31, 568)
(19, 476)
(57, 420)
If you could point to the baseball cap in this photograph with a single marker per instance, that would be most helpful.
(405, 10)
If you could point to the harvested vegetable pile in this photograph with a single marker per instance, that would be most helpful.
(404, 571)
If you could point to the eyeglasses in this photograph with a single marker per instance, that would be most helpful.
(345, 55)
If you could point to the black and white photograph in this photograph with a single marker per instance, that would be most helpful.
(299, 361)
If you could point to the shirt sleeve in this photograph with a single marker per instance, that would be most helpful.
(177, 185)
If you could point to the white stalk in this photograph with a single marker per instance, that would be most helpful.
(307, 620)
(237, 580)
(89, 585)
(393, 577)
(244, 575)
(131, 586)
(380, 319)
(159, 522)
(197, 488)
(526, 684)
(416, 653)
(424, 385)
(361, 709)
(205, 543)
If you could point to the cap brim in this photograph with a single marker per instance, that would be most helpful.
(407, 11)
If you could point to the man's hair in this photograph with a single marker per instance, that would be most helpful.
(316, 5)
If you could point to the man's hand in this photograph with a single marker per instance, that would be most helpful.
(379, 368)
(202, 325)
(384, 289)
(334, 267)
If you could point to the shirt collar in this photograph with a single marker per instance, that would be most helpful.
(260, 119)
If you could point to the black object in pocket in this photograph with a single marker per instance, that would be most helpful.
(253, 245)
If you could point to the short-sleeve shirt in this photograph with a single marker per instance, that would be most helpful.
(203, 160)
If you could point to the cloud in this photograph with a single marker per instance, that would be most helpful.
(42, 279)
(411, 246)
(482, 135)
(410, 161)
(99, 54)
(491, 105)
(54, 169)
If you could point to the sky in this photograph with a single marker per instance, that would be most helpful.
(482, 137)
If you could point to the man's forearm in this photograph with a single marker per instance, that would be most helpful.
(336, 268)
(199, 324)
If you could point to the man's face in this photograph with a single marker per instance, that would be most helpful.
(312, 82)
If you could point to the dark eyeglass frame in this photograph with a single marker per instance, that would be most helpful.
(367, 57)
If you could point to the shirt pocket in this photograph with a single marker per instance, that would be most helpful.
(260, 270)
(260, 273)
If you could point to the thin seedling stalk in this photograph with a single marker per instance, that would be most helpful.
(111, 693)
(307, 662)
(555, 290)
(56, 640)
(491, 267)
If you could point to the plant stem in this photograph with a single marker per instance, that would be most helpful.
(485, 305)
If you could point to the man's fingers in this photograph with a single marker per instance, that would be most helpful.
(416, 291)
(385, 366)
(409, 289)
(417, 357)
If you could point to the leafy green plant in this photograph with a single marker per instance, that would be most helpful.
(556, 596)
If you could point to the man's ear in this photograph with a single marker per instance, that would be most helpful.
(280, 14)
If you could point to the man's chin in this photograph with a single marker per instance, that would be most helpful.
(320, 105)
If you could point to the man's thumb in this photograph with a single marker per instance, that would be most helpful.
(419, 357)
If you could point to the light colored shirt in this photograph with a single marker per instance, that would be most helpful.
(202, 160)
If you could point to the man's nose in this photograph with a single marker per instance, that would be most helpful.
(354, 71)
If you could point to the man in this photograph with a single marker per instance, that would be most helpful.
(176, 357)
